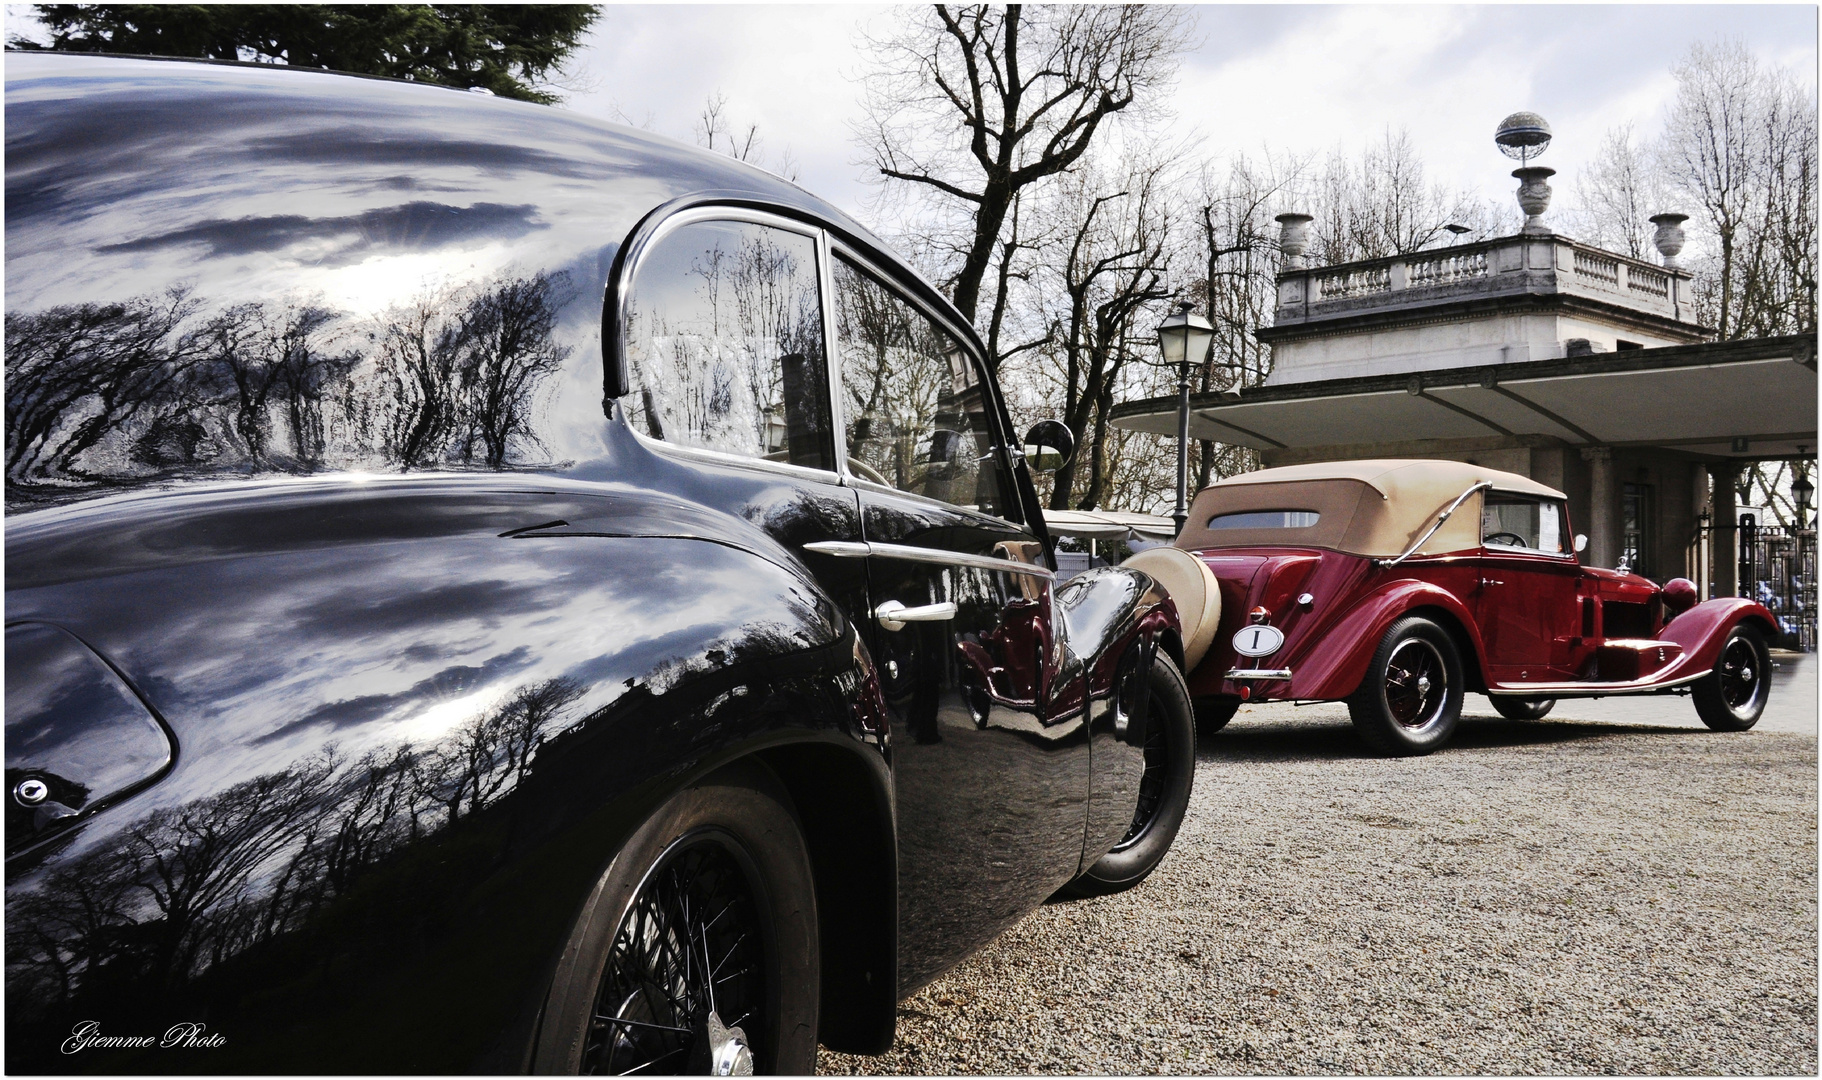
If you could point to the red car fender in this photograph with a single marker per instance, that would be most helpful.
(1704, 628)
(1338, 657)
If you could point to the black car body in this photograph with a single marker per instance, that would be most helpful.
(411, 494)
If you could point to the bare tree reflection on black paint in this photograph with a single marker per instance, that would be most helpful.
(456, 372)
(76, 373)
(162, 386)
(186, 888)
(259, 355)
(507, 333)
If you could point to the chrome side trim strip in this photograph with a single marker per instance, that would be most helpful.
(1594, 689)
(1258, 673)
(841, 549)
(848, 549)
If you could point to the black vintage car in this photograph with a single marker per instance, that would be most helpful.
(492, 591)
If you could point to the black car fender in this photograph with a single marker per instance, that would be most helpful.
(412, 743)
(1116, 619)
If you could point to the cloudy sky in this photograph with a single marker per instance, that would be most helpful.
(1301, 78)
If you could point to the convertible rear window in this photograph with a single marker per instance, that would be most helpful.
(1266, 519)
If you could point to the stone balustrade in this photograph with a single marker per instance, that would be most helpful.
(1507, 265)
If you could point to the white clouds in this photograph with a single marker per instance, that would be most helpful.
(1297, 78)
(786, 68)
(1302, 78)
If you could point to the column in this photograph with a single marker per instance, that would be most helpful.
(1726, 547)
(1603, 507)
(1701, 553)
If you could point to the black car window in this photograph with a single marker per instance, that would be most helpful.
(724, 343)
(915, 409)
(1518, 522)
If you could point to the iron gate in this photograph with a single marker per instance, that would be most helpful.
(1777, 567)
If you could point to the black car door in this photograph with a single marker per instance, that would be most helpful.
(992, 785)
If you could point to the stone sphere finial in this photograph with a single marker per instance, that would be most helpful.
(1523, 135)
(1534, 195)
(1293, 238)
(1669, 237)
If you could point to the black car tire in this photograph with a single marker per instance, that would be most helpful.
(1170, 773)
(733, 843)
(1213, 713)
(1522, 708)
(1733, 695)
(1398, 708)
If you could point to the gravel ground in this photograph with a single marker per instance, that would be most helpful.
(1581, 895)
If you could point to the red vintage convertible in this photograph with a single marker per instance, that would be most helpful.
(1397, 586)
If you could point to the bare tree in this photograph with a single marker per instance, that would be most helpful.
(1379, 204)
(1740, 146)
(1111, 267)
(1014, 95)
(1236, 247)
(1618, 193)
(716, 131)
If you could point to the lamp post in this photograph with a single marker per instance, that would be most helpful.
(1183, 338)
(1803, 493)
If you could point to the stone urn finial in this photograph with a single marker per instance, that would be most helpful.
(1534, 195)
(1669, 237)
(1293, 238)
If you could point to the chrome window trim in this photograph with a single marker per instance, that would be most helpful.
(848, 549)
(838, 409)
(819, 238)
(1387, 564)
(961, 335)
(1531, 496)
(723, 457)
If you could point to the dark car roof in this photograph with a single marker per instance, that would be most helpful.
(196, 199)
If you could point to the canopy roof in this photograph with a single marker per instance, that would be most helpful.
(1746, 400)
(1377, 508)
(1108, 524)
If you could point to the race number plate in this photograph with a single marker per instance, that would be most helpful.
(1258, 640)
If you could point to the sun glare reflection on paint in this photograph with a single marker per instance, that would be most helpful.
(444, 717)
(377, 284)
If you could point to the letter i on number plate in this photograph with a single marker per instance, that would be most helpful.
(1258, 640)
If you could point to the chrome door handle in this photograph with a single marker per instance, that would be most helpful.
(1490, 581)
(893, 615)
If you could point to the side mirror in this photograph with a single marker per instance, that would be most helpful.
(1581, 543)
(1052, 436)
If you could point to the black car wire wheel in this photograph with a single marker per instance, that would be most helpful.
(1155, 696)
(1416, 684)
(1410, 698)
(1732, 696)
(1741, 674)
(685, 977)
(1152, 783)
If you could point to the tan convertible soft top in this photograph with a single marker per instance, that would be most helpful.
(1378, 507)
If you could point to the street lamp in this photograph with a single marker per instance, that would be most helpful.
(1183, 338)
(1803, 493)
